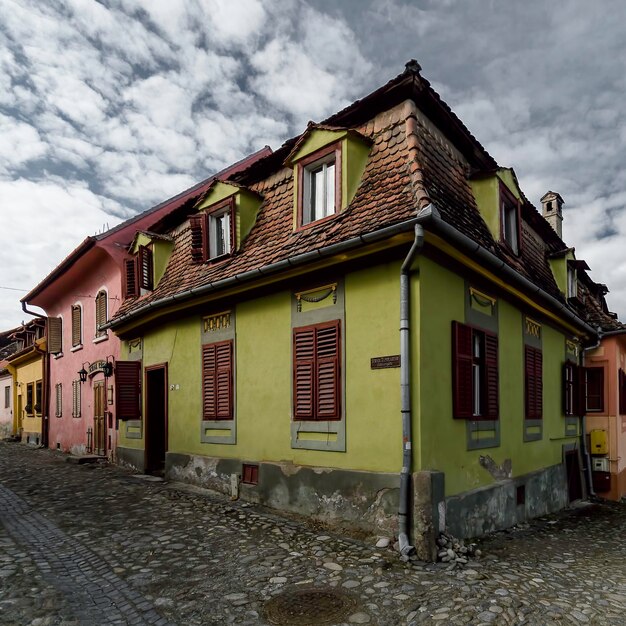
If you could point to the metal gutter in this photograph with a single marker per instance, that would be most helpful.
(432, 221)
(267, 270)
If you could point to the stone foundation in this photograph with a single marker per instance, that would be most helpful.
(129, 457)
(366, 501)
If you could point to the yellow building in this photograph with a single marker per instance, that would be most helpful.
(27, 367)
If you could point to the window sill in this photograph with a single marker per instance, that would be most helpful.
(77, 348)
(219, 259)
(58, 355)
(322, 220)
(101, 338)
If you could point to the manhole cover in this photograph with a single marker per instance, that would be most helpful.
(308, 607)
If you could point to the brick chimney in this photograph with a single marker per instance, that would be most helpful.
(552, 205)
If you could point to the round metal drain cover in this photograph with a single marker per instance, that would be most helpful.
(308, 607)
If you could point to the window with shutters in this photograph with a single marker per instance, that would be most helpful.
(7, 397)
(217, 381)
(76, 397)
(101, 313)
(55, 335)
(212, 232)
(128, 389)
(29, 399)
(594, 389)
(475, 373)
(77, 326)
(510, 227)
(58, 395)
(533, 383)
(316, 372)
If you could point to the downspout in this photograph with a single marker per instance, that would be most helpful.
(45, 414)
(405, 392)
(583, 424)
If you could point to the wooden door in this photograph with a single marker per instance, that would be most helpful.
(99, 415)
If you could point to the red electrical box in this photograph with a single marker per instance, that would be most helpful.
(601, 481)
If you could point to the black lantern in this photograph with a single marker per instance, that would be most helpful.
(82, 374)
(107, 368)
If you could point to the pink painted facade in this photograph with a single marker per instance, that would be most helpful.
(6, 402)
(611, 357)
(95, 266)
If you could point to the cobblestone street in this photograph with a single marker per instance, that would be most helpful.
(93, 544)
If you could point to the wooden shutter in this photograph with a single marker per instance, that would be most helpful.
(462, 388)
(303, 373)
(533, 376)
(59, 399)
(327, 372)
(128, 389)
(131, 281)
(55, 335)
(622, 392)
(217, 381)
(101, 312)
(76, 398)
(199, 231)
(492, 405)
(76, 325)
(146, 273)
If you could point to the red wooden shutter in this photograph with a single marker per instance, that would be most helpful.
(492, 407)
(327, 372)
(209, 401)
(146, 274)
(55, 335)
(533, 376)
(76, 325)
(131, 283)
(303, 373)
(217, 381)
(462, 393)
(128, 389)
(199, 230)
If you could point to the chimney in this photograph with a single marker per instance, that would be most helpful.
(552, 205)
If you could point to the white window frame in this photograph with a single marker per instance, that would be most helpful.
(307, 204)
(572, 282)
(213, 218)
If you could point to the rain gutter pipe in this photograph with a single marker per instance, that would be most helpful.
(404, 543)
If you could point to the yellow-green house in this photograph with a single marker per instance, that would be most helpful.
(286, 309)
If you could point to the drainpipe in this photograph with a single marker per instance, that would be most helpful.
(405, 392)
(583, 424)
(45, 413)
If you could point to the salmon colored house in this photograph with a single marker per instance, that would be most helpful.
(79, 296)
(605, 379)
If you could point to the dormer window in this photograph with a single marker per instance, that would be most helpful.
(219, 233)
(212, 233)
(510, 220)
(572, 282)
(320, 185)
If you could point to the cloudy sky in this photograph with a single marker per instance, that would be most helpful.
(109, 107)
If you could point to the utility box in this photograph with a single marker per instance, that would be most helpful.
(601, 482)
(598, 442)
(600, 464)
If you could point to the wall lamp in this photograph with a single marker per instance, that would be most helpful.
(107, 368)
(82, 373)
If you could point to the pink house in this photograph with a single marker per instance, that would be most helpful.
(79, 295)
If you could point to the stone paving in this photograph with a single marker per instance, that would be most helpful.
(93, 544)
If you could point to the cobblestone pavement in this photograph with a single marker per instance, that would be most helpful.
(91, 544)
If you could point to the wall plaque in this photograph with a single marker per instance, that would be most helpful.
(385, 362)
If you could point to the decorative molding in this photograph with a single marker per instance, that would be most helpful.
(571, 347)
(219, 321)
(316, 295)
(532, 328)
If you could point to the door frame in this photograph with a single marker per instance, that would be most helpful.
(146, 371)
(100, 383)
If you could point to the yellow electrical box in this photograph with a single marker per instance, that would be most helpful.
(598, 442)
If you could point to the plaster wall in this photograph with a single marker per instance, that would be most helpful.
(98, 272)
(28, 372)
(6, 412)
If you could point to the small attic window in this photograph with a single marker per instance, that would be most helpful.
(319, 185)
(212, 233)
(510, 220)
(219, 232)
(572, 282)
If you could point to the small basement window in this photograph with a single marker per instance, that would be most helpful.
(250, 474)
